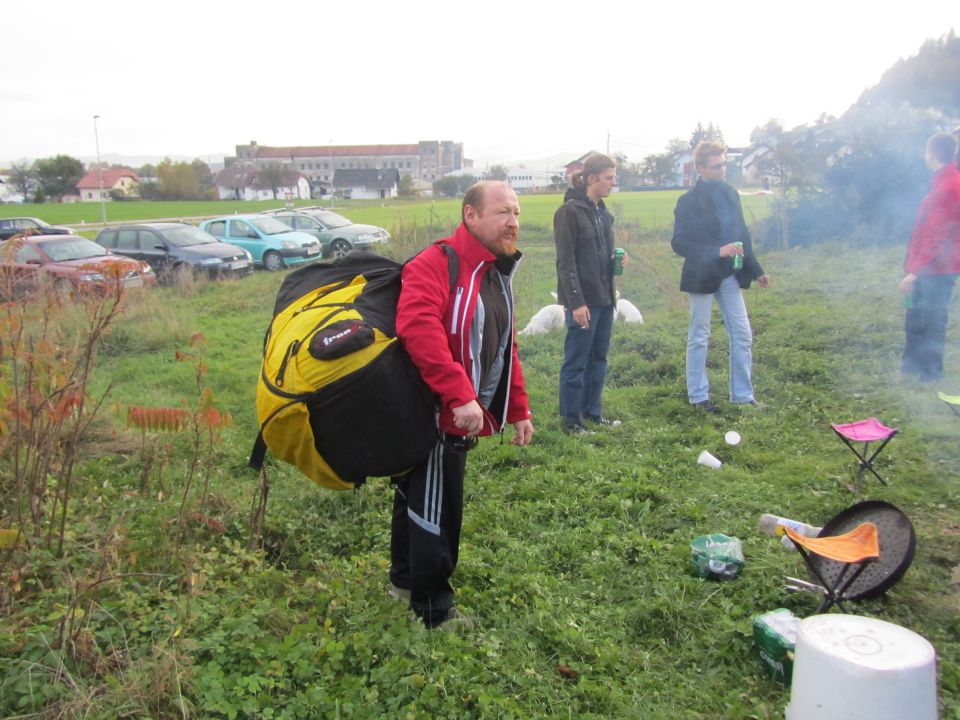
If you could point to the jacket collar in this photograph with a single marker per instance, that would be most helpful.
(947, 173)
(580, 197)
(468, 247)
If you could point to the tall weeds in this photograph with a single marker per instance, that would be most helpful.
(49, 338)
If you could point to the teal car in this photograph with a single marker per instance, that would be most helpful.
(272, 244)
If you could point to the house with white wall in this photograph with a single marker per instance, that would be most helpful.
(520, 178)
(367, 183)
(243, 182)
(98, 185)
(8, 193)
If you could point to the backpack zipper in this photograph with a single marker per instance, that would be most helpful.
(291, 351)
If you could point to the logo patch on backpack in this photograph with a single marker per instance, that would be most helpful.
(340, 339)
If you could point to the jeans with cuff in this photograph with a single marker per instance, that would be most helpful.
(584, 368)
(734, 312)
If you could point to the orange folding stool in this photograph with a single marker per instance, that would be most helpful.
(859, 547)
(866, 432)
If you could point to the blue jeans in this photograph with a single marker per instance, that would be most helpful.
(926, 326)
(584, 366)
(734, 312)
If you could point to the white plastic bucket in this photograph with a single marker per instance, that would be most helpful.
(849, 667)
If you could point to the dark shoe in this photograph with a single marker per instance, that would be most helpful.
(398, 593)
(601, 420)
(577, 430)
(707, 406)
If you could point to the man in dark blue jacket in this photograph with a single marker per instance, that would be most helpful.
(711, 235)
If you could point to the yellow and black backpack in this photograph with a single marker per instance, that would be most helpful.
(337, 396)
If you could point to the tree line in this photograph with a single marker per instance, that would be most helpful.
(55, 177)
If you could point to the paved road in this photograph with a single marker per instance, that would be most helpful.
(96, 227)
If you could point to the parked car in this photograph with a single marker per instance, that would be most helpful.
(31, 225)
(173, 247)
(337, 234)
(66, 262)
(272, 244)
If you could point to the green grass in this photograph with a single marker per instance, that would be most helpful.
(652, 210)
(575, 552)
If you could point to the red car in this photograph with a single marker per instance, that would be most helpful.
(65, 262)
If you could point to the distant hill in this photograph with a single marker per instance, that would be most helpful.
(929, 79)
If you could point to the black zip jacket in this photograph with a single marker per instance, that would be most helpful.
(583, 233)
(696, 237)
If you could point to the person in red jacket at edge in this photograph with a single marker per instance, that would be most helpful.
(464, 345)
(933, 262)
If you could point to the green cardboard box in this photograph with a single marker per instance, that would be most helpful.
(774, 640)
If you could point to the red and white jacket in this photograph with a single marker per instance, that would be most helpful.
(935, 244)
(436, 327)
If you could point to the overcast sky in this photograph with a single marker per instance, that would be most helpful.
(512, 80)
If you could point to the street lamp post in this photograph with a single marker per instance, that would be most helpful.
(330, 156)
(103, 206)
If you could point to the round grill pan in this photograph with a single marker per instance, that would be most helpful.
(897, 545)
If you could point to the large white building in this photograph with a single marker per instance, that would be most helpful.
(521, 179)
(425, 160)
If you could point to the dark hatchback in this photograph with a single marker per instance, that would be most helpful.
(172, 247)
(9, 227)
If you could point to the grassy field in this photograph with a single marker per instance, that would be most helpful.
(652, 210)
(575, 558)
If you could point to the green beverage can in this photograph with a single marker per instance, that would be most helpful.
(618, 255)
(738, 259)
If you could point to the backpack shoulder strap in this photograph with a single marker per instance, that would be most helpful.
(453, 264)
(258, 453)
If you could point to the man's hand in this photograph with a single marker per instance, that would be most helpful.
(763, 281)
(524, 432)
(730, 249)
(906, 285)
(581, 316)
(469, 417)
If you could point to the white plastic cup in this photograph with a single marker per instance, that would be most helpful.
(709, 460)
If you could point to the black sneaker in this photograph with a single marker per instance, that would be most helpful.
(601, 420)
(707, 406)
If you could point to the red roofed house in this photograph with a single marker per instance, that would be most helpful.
(575, 166)
(122, 181)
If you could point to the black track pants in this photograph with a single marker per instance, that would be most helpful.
(425, 532)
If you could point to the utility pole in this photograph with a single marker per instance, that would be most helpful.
(103, 206)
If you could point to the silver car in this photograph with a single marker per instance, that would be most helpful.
(337, 234)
